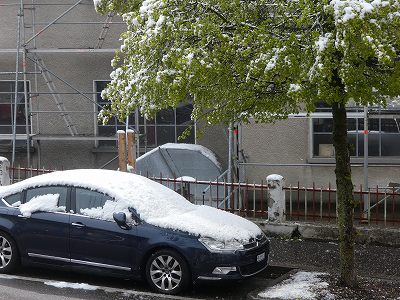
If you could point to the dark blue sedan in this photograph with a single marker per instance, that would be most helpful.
(122, 224)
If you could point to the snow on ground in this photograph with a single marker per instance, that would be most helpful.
(302, 285)
(71, 285)
(155, 203)
(46, 203)
(7, 276)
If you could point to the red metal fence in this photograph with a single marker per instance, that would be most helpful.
(379, 205)
(302, 203)
(20, 173)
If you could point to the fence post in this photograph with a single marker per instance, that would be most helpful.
(4, 175)
(276, 201)
(131, 145)
(122, 150)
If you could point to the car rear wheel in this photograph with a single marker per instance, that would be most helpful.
(8, 253)
(167, 272)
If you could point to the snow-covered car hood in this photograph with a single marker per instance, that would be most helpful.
(155, 203)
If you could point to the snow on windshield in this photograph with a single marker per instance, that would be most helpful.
(46, 203)
(155, 203)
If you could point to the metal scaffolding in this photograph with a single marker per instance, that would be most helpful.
(26, 51)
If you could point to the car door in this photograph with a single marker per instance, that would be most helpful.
(95, 239)
(44, 236)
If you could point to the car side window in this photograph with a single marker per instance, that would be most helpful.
(13, 200)
(93, 204)
(45, 190)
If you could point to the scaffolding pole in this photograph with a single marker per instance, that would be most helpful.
(27, 34)
(27, 114)
(75, 89)
(52, 22)
(104, 31)
(14, 112)
(35, 78)
(26, 99)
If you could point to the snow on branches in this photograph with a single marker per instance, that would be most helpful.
(235, 59)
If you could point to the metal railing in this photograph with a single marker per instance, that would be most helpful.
(245, 199)
(320, 204)
(311, 204)
(20, 173)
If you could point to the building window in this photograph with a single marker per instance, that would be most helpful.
(7, 106)
(166, 126)
(383, 138)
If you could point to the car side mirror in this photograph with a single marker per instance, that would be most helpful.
(120, 219)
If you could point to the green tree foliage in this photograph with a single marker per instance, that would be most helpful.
(260, 59)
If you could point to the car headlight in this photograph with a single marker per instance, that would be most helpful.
(218, 246)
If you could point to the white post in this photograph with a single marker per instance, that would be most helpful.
(276, 202)
(4, 174)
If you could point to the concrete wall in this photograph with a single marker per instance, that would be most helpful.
(216, 139)
(287, 142)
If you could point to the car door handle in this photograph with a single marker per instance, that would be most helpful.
(78, 224)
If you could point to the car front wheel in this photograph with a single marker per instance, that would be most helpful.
(8, 253)
(167, 272)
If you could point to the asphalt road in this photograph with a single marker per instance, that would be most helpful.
(373, 261)
(35, 284)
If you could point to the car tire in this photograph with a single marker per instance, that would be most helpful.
(167, 272)
(9, 256)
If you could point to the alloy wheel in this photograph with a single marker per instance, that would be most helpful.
(166, 272)
(5, 252)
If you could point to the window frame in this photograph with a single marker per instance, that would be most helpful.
(73, 201)
(351, 114)
(68, 197)
(146, 125)
(11, 205)
(19, 136)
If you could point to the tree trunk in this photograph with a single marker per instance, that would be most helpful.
(345, 197)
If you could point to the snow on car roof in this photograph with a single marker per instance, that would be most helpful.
(156, 204)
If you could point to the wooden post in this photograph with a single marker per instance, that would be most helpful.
(121, 150)
(131, 150)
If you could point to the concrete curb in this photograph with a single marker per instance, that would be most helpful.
(328, 232)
